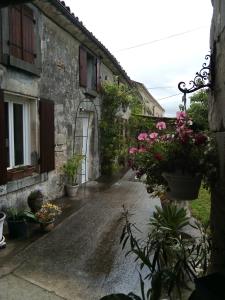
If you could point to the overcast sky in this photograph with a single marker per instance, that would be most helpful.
(123, 24)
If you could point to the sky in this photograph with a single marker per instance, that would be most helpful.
(131, 31)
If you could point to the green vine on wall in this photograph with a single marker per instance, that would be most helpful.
(114, 147)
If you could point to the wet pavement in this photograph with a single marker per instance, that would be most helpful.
(81, 258)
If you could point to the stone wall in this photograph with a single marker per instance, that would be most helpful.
(59, 82)
(217, 44)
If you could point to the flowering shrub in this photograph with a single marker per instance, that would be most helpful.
(180, 149)
(48, 212)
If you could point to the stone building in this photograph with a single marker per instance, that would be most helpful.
(51, 68)
(150, 105)
(217, 125)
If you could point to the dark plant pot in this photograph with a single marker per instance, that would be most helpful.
(182, 186)
(35, 204)
(17, 229)
(210, 287)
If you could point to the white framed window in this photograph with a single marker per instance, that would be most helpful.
(17, 124)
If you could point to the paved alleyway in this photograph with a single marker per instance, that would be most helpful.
(81, 259)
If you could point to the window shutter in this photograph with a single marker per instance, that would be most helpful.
(3, 167)
(83, 67)
(28, 34)
(15, 21)
(98, 75)
(47, 136)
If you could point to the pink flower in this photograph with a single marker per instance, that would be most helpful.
(181, 115)
(161, 125)
(143, 136)
(142, 149)
(153, 135)
(133, 150)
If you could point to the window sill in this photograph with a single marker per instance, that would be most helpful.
(20, 172)
(13, 186)
(10, 60)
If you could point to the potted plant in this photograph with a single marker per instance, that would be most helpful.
(70, 170)
(174, 158)
(17, 222)
(35, 200)
(46, 216)
(169, 259)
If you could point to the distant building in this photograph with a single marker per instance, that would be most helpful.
(151, 107)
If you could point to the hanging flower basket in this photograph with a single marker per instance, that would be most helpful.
(182, 186)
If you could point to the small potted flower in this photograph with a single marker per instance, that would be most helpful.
(174, 158)
(46, 216)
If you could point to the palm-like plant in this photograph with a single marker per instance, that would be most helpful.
(171, 258)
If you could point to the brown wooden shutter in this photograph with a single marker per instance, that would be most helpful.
(15, 35)
(83, 67)
(28, 34)
(3, 167)
(47, 136)
(98, 75)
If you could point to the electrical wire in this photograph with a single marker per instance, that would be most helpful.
(169, 97)
(161, 39)
(161, 87)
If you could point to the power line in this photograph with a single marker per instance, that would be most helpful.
(161, 87)
(169, 96)
(161, 39)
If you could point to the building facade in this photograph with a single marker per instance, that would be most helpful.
(150, 105)
(51, 69)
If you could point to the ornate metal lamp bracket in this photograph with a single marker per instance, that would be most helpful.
(201, 80)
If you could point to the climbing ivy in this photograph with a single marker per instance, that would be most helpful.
(114, 146)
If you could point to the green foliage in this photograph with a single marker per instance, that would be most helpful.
(198, 109)
(200, 209)
(16, 214)
(116, 98)
(171, 257)
(137, 124)
(170, 218)
(71, 168)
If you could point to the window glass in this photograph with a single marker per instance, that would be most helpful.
(18, 133)
(91, 72)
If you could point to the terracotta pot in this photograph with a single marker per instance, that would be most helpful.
(19, 173)
(182, 186)
(47, 227)
(29, 171)
(15, 174)
(71, 190)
